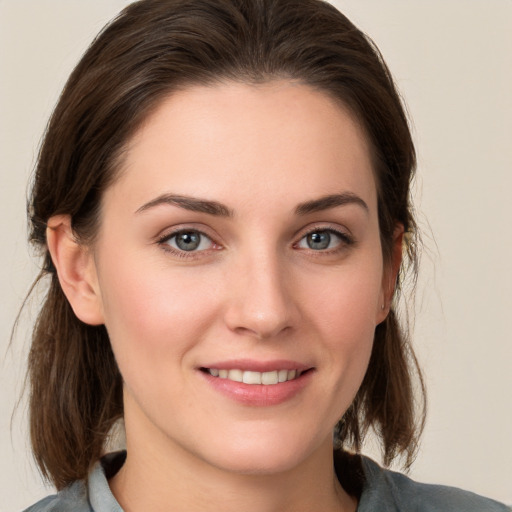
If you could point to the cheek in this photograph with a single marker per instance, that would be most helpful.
(151, 310)
(345, 316)
(348, 299)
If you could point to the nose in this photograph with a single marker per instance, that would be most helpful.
(261, 303)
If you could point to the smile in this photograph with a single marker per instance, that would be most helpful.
(252, 377)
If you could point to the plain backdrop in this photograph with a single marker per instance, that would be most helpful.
(452, 62)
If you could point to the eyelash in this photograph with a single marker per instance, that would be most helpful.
(163, 242)
(346, 241)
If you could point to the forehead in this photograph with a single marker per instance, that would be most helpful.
(275, 141)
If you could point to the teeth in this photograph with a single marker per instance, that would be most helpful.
(270, 378)
(283, 375)
(252, 378)
(249, 377)
(236, 375)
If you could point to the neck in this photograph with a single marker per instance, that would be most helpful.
(161, 480)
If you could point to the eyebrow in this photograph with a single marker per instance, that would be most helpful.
(189, 203)
(330, 201)
(220, 210)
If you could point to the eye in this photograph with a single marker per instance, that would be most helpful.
(323, 239)
(188, 241)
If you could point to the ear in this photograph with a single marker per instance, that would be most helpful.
(390, 273)
(76, 270)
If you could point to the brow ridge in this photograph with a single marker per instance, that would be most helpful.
(218, 209)
(188, 203)
(330, 201)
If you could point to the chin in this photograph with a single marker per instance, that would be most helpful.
(264, 455)
(258, 464)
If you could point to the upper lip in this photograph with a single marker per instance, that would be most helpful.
(257, 366)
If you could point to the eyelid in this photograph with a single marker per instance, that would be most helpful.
(170, 233)
(346, 237)
(334, 228)
(344, 234)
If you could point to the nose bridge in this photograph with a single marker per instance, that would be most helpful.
(260, 303)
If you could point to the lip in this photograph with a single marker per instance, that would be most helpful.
(258, 395)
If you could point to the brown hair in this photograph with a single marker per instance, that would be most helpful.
(153, 48)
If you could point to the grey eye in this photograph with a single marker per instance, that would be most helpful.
(319, 240)
(189, 241)
(323, 239)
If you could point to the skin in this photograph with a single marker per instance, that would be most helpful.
(254, 289)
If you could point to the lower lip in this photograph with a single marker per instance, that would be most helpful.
(258, 394)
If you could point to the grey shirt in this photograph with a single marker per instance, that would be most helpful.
(381, 491)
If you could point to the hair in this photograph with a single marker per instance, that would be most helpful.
(155, 47)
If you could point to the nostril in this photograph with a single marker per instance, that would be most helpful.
(262, 333)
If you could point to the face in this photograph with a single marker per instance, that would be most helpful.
(239, 274)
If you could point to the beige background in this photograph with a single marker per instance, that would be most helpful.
(452, 61)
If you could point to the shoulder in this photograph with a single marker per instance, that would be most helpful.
(72, 498)
(93, 495)
(388, 491)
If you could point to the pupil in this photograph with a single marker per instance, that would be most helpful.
(319, 240)
(188, 241)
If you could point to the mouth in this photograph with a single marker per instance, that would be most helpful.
(268, 378)
(258, 383)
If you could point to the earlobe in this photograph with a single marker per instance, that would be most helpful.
(76, 270)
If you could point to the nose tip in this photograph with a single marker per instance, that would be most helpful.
(262, 326)
(262, 307)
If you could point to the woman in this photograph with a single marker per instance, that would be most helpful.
(222, 200)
